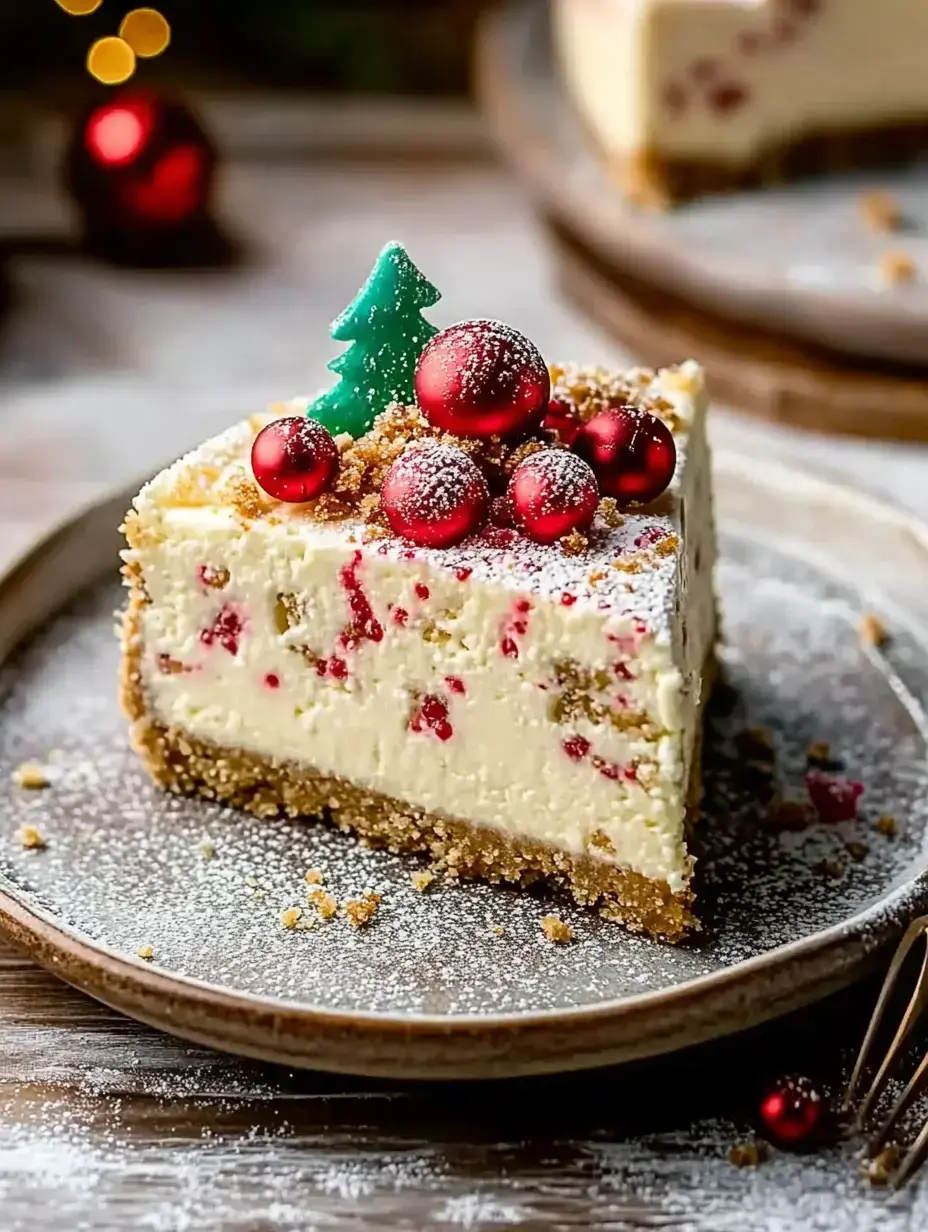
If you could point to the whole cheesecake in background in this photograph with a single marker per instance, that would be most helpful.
(687, 97)
(524, 699)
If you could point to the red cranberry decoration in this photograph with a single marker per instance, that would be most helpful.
(435, 496)
(294, 459)
(631, 451)
(552, 493)
(482, 379)
(792, 1111)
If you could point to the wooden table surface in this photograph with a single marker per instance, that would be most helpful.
(105, 1125)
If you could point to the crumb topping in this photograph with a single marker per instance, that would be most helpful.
(421, 880)
(290, 917)
(314, 876)
(880, 211)
(360, 911)
(31, 776)
(898, 267)
(31, 838)
(324, 903)
(145, 952)
(555, 929)
(872, 630)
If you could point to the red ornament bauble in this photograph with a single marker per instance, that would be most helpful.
(792, 1111)
(562, 419)
(294, 459)
(552, 493)
(631, 451)
(435, 495)
(140, 169)
(482, 378)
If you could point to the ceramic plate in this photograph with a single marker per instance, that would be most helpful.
(460, 981)
(797, 260)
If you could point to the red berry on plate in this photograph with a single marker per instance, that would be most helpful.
(552, 493)
(294, 459)
(482, 379)
(792, 1110)
(631, 451)
(435, 495)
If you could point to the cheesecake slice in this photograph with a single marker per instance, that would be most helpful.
(510, 709)
(687, 97)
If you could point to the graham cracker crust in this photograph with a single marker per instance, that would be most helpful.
(267, 788)
(651, 178)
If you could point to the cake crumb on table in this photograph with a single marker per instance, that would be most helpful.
(314, 876)
(31, 776)
(574, 544)
(880, 210)
(747, 1154)
(145, 952)
(897, 267)
(887, 825)
(360, 911)
(496, 930)
(31, 838)
(207, 849)
(556, 930)
(790, 815)
(290, 917)
(324, 903)
(421, 880)
(872, 630)
(856, 850)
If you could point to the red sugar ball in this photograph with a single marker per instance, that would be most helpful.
(294, 459)
(631, 451)
(792, 1110)
(561, 418)
(482, 379)
(552, 493)
(435, 495)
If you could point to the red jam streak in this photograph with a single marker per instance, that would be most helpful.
(272, 681)
(833, 798)
(364, 625)
(463, 573)
(455, 684)
(226, 629)
(422, 591)
(399, 615)
(431, 715)
(567, 599)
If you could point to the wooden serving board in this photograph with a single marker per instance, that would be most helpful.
(795, 263)
(768, 375)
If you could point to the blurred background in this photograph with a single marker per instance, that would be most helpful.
(145, 307)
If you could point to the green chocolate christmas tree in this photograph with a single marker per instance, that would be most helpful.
(387, 332)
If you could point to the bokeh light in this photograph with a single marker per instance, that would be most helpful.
(79, 8)
(111, 60)
(146, 32)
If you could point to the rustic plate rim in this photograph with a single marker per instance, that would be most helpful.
(837, 953)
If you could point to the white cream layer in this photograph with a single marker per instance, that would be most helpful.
(505, 764)
(659, 75)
